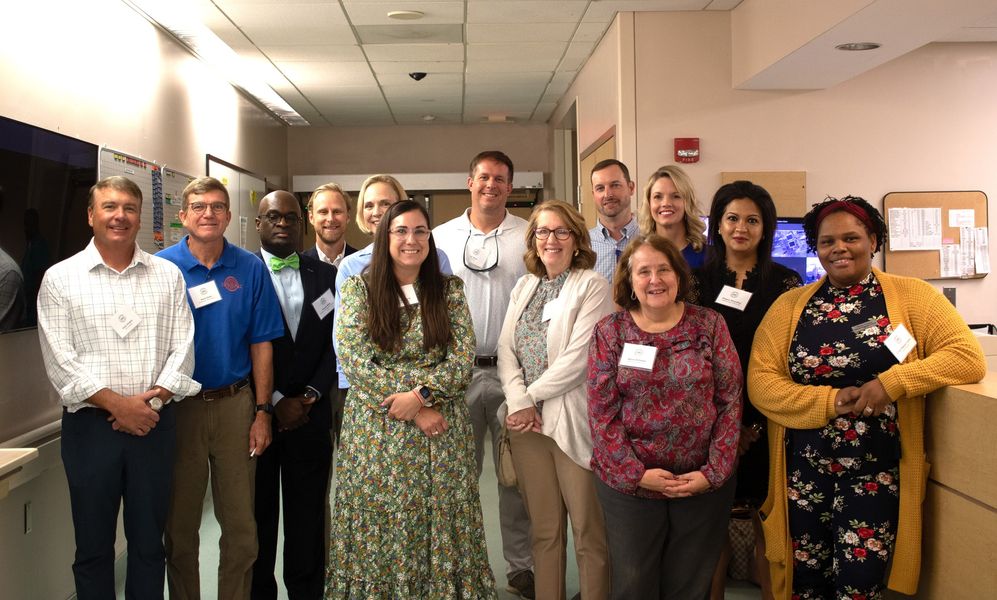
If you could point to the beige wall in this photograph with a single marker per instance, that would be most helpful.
(412, 149)
(924, 121)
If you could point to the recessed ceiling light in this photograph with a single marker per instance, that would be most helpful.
(857, 46)
(428, 118)
(406, 15)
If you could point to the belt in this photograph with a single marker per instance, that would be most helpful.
(222, 392)
(485, 361)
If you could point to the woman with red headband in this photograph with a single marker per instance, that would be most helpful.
(840, 368)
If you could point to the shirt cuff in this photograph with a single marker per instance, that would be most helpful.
(276, 397)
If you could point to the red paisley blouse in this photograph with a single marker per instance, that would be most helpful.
(683, 415)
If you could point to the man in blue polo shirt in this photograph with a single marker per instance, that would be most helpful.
(236, 314)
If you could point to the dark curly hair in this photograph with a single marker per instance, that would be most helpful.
(873, 220)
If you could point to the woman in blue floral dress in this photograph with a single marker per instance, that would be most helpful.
(407, 518)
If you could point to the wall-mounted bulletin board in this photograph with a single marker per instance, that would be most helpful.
(787, 188)
(937, 235)
(147, 175)
(173, 184)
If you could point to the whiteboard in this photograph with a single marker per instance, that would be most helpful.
(173, 184)
(245, 191)
(148, 176)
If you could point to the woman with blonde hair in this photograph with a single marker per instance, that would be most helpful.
(542, 355)
(670, 210)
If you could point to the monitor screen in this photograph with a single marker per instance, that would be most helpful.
(789, 248)
(45, 178)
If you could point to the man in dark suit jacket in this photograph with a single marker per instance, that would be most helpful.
(304, 369)
(329, 209)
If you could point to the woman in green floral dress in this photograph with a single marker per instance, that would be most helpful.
(407, 518)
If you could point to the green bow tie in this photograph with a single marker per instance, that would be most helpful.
(276, 264)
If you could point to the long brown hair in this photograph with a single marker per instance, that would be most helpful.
(384, 317)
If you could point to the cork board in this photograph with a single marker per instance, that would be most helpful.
(926, 264)
(787, 188)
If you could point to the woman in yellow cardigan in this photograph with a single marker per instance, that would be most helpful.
(840, 368)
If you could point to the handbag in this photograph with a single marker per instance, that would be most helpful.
(742, 544)
(506, 469)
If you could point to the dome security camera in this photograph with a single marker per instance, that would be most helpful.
(417, 75)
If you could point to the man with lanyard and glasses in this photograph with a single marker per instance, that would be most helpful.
(612, 189)
(485, 246)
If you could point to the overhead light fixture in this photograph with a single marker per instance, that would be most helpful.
(428, 118)
(857, 46)
(180, 20)
(406, 15)
(498, 119)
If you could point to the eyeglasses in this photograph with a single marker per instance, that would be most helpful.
(560, 233)
(273, 217)
(419, 233)
(199, 207)
(478, 258)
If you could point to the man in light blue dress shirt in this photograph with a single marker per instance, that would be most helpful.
(611, 193)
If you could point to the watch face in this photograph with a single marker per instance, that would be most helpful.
(425, 393)
(156, 404)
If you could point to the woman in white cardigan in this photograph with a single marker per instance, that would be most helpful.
(542, 363)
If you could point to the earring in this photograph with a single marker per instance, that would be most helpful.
(576, 252)
(633, 295)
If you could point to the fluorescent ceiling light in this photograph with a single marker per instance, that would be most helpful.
(179, 18)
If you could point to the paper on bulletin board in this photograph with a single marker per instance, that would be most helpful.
(950, 261)
(982, 250)
(962, 217)
(967, 251)
(915, 229)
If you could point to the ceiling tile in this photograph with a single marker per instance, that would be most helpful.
(482, 67)
(433, 52)
(590, 32)
(327, 74)
(722, 5)
(479, 33)
(441, 119)
(500, 79)
(432, 79)
(313, 53)
(342, 92)
(410, 67)
(393, 92)
(525, 11)
(605, 10)
(514, 52)
(410, 34)
(575, 57)
(376, 13)
(292, 24)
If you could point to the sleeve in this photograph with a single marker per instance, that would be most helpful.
(342, 274)
(619, 466)
(324, 376)
(74, 382)
(445, 267)
(510, 370)
(268, 321)
(770, 386)
(727, 388)
(568, 369)
(179, 366)
(948, 352)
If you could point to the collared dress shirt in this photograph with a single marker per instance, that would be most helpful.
(290, 293)
(328, 260)
(84, 353)
(608, 250)
(487, 291)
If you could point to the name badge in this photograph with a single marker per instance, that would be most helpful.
(124, 320)
(733, 297)
(323, 304)
(204, 294)
(409, 292)
(551, 308)
(900, 342)
(637, 356)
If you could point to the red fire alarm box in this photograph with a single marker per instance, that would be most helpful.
(686, 150)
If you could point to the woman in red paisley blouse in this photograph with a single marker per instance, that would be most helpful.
(664, 386)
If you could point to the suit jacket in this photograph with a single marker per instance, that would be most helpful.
(308, 360)
(313, 252)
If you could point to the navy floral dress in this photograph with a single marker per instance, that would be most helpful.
(843, 479)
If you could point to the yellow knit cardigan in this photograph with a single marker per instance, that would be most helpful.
(947, 353)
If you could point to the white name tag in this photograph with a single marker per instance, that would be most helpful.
(204, 294)
(551, 309)
(323, 304)
(409, 292)
(900, 342)
(637, 356)
(733, 297)
(124, 320)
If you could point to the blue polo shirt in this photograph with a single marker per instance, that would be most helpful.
(248, 312)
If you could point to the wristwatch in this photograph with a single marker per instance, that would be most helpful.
(310, 394)
(155, 403)
(425, 395)
(267, 408)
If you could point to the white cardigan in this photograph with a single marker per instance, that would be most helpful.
(586, 299)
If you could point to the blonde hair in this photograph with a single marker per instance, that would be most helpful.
(381, 178)
(695, 229)
(330, 187)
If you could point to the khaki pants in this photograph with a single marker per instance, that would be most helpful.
(213, 435)
(554, 486)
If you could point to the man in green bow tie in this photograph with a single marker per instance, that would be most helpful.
(304, 369)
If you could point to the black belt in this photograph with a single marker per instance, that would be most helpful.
(222, 392)
(485, 361)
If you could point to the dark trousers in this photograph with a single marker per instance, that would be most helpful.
(103, 468)
(298, 462)
(664, 548)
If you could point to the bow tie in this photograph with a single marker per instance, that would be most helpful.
(276, 264)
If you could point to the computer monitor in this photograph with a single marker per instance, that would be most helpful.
(789, 248)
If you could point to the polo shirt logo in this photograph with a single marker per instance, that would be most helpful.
(231, 283)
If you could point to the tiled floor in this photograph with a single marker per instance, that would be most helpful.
(489, 504)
